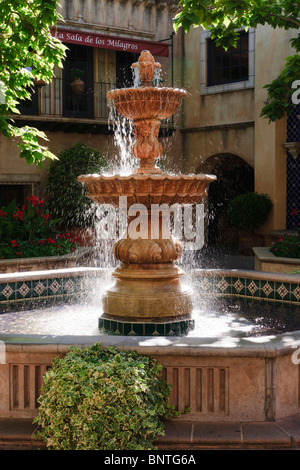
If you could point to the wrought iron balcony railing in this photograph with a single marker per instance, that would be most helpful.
(59, 100)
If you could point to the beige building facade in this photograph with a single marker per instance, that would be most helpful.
(223, 132)
(103, 38)
(218, 129)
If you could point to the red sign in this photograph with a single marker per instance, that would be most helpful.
(111, 42)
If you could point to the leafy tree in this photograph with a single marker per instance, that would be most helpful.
(28, 52)
(224, 18)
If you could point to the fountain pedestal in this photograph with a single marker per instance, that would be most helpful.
(147, 297)
(147, 300)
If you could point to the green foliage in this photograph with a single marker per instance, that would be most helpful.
(29, 231)
(281, 89)
(28, 52)
(249, 211)
(67, 198)
(103, 399)
(77, 73)
(287, 247)
(225, 18)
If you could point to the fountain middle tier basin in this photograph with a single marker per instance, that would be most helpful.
(147, 189)
(146, 102)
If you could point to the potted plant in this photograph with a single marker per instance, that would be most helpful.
(248, 212)
(77, 85)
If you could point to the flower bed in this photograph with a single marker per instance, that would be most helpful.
(287, 246)
(29, 231)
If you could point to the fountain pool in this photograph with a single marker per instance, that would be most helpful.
(226, 373)
(219, 316)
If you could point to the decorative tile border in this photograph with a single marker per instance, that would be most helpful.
(253, 285)
(21, 290)
(42, 288)
(123, 328)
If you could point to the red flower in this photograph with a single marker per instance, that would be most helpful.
(3, 214)
(294, 211)
(35, 200)
(19, 215)
(51, 241)
(46, 217)
(14, 243)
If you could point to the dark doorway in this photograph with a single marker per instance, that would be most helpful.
(235, 177)
(78, 65)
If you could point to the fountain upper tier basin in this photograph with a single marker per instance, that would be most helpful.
(146, 102)
(147, 189)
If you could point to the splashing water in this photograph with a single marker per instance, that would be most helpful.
(136, 77)
(157, 79)
(123, 139)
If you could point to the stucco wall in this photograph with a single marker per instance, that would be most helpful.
(272, 46)
(214, 122)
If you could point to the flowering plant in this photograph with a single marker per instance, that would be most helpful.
(29, 231)
(287, 246)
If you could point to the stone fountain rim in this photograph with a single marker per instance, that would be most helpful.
(145, 89)
(153, 176)
(263, 346)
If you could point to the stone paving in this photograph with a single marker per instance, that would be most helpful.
(283, 434)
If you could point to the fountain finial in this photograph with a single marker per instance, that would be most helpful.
(146, 67)
(146, 106)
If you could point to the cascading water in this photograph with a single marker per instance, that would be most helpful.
(147, 293)
(122, 129)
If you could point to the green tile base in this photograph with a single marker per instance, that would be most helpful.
(172, 328)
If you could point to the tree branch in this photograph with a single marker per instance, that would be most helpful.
(287, 19)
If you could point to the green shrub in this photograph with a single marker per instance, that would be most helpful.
(103, 399)
(249, 211)
(66, 197)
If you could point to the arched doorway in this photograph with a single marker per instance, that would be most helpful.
(235, 176)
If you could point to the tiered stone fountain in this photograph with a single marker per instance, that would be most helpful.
(148, 296)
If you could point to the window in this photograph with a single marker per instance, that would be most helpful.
(228, 66)
(30, 107)
(17, 191)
